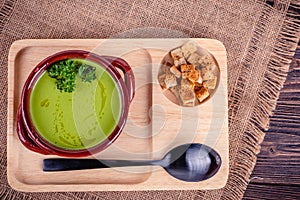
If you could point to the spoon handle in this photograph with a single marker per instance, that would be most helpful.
(66, 164)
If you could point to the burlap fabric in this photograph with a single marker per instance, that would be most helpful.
(259, 36)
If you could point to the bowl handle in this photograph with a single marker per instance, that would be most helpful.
(128, 73)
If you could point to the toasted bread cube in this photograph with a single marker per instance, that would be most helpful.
(177, 54)
(201, 93)
(212, 67)
(161, 80)
(185, 83)
(210, 84)
(175, 71)
(175, 90)
(194, 76)
(188, 48)
(194, 59)
(208, 75)
(186, 69)
(206, 61)
(197, 86)
(187, 96)
(179, 62)
(189, 103)
(170, 80)
(203, 71)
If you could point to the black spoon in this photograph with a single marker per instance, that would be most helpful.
(188, 162)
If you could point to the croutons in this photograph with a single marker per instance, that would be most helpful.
(206, 61)
(177, 54)
(161, 80)
(194, 59)
(185, 83)
(188, 74)
(208, 75)
(210, 84)
(179, 62)
(175, 71)
(186, 70)
(187, 96)
(194, 76)
(202, 93)
(170, 80)
(197, 86)
(175, 90)
(188, 48)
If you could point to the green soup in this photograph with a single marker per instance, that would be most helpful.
(80, 119)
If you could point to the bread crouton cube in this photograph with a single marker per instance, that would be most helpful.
(175, 90)
(203, 71)
(201, 93)
(170, 80)
(212, 67)
(207, 75)
(186, 69)
(175, 71)
(179, 62)
(206, 61)
(197, 86)
(189, 48)
(187, 96)
(194, 76)
(194, 59)
(185, 83)
(161, 80)
(210, 84)
(177, 54)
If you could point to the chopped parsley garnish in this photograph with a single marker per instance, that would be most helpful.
(87, 73)
(65, 72)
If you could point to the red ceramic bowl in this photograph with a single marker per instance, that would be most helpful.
(28, 134)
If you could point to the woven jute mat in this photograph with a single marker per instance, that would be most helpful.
(259, 36)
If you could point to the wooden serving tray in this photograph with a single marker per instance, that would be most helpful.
(155, 125)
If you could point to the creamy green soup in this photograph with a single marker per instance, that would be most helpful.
(80, 119)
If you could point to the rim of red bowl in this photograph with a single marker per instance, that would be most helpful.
(34, 76)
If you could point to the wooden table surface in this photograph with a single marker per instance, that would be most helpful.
(277, 171)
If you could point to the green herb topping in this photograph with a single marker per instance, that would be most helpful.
(65, 72)
(87, 73)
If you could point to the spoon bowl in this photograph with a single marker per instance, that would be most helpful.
(192, 162)
(189, 162)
